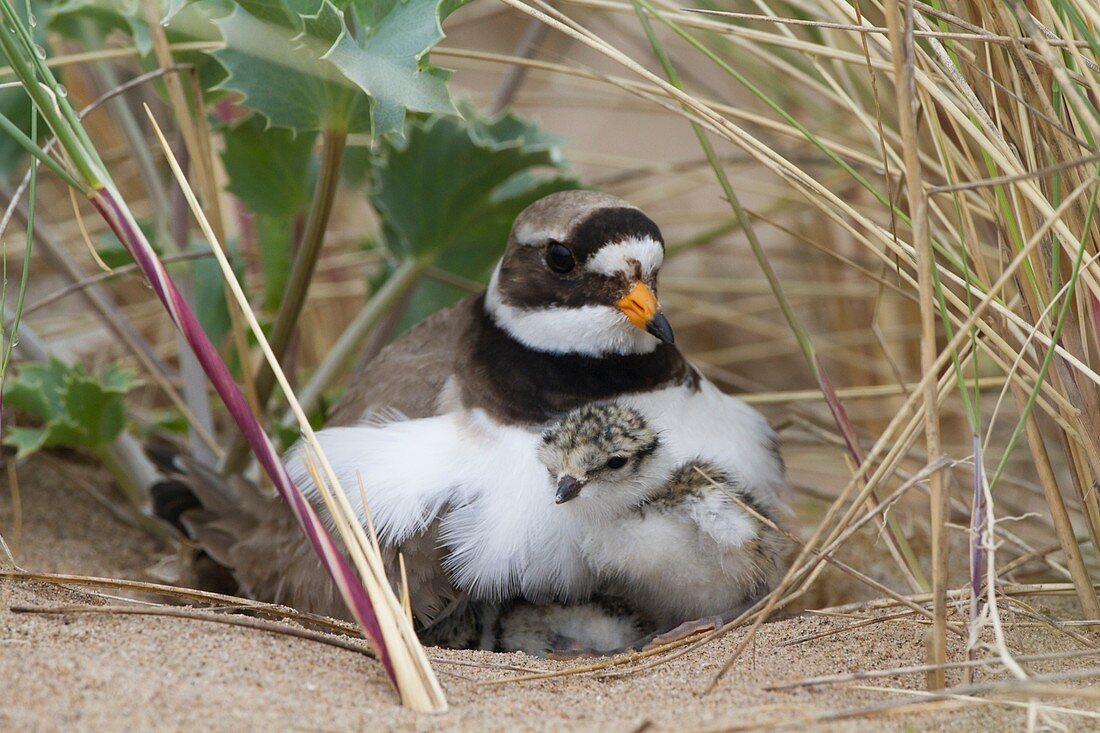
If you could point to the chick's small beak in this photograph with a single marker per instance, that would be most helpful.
(641, 308)
(568, 488)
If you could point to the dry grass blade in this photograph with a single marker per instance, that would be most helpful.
(186, 594)
(900, 23)
(924, 669)
(194, 614)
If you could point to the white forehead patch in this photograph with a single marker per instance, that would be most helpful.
(535, 236)
(623, 258)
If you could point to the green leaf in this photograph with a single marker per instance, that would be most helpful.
(170, 421)
(276, 237)
(309, 65)
(279, 70)
(449, 185)
(75, 408)
(356, 165)
(269, 168)
(451, 190)
(209, 290)
(118, 380)
(92, 22)
(28, 397)
(174, 8)
(385, 60)
(26, 440)
(36, 388)
(95, 414)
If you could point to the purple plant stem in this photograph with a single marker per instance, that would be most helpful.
(346, 580)
(840, 415)
(851, 440)
(977, 528)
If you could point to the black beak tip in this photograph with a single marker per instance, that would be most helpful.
(661, 328)
(568, 488)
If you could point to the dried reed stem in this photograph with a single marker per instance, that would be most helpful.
(900, 23)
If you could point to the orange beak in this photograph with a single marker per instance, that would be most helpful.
(641, 308)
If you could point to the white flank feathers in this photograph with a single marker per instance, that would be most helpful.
(481, 479)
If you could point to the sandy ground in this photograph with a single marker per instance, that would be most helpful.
(107, 672)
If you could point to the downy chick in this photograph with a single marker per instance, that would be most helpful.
(677, 548)
(601, 625)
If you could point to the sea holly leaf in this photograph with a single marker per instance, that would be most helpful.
(27, 396)
(322, 65)
(276, 236)
(26, 440)
(100, 413)
(36, 388)
(90, 22)
(270, 170)
(73, 407)
(209, 291)
(279, 70)
(452, 188)
(164, 421)
(174, 8)
(386, 61)
(280, 12)
(444, 188)
(118, 380)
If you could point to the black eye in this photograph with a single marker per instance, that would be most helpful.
(559, 258)
(615, 462)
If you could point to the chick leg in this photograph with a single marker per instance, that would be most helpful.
(688, 629)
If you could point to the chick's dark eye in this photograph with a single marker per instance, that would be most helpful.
(559, 258)
(615, 462)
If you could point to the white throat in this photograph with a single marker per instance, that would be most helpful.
(590, 330)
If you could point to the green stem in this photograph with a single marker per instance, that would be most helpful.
(24, 276)
(301, 274)
(403, 280)
(20, 137)
(134, 492)
(53, 105)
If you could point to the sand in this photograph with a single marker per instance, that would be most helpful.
(100, 672)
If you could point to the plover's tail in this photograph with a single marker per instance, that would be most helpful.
(249, 536)
(244, 534)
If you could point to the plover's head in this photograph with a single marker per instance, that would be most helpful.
(604, 453)
(579, 275)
